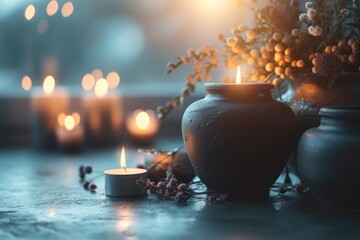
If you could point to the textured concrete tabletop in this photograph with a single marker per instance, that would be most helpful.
(41, 198)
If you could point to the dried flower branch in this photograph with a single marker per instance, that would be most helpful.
(284, 43)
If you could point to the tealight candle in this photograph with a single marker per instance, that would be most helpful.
(122, 182)
(142, 125)
(46, 105)
(70, 133)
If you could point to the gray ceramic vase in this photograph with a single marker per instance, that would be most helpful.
(238, 138)
(329, 158)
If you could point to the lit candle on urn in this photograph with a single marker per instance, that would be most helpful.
(103, 114)
(121, 182)
(142, 126)
(70, 132)
(238, 138)
(46, 105)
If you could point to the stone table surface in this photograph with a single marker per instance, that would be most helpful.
(41, 197)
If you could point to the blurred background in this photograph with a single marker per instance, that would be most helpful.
(135, 38)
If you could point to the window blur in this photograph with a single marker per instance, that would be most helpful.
(134, 38)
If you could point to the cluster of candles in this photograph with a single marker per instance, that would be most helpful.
(99, 122)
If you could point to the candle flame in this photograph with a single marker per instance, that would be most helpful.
(123, 159)
(69, 123)
(101, 87)
(238, 75)
(49, 84)
(142, 120)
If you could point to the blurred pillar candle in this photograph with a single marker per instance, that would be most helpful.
(103, 116)
(142, 126)
(70, 132)
(46, 105)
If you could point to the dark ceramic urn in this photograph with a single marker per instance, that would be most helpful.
(238, 138)
(328, 158)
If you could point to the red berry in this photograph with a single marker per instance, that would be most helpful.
(88, 169)
(300, 188)
(93, 186)
(86, 185)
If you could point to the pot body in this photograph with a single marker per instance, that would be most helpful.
(308, 95)
(238, 139)
(328, 157)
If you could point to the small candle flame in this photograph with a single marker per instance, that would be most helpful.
(101, 87)
(69, 122)
(49, 84)
(238, 75)
(142, 120)
(122, 159)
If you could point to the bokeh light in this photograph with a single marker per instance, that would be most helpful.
(43, 26)
(67, 9)
(113, 79)
(88, 82)
(101, 87)
(142, 120)
(49, 84)
(26, 83)
(52, 8)
(97, 73)
(29, 12)
(76, 117)
(61, 119)
(69, 123)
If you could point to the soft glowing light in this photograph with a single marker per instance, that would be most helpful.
(88, 82)
(52, 8)
(26, 83)
(61, 119)
(29, 12)
(49, 84)
(238, 75)
(113, 79)
(123, 225)
(97, 73)
(123, 158)
(76, 117)
(101, 87)
(67, 9)
(51, 212)
(69, 123)
(142, 120)
(43, 26)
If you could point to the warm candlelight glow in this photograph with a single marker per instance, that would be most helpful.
(61, 119)
(52, 8)
(142, 120)
(88, 82)
(238, 75)
(49, 84)
(69, 123)
(29, 12)
(113, 79)
(26, 83)
(101, 87)
(76, 117)
(67, 9)
(122, 158)
(97, 73)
